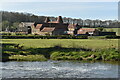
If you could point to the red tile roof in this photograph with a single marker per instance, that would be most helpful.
(38, 26)
(48, 29)
(85, 30)
(53, 22)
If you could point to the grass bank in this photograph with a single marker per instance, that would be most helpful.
(60, 49)
(27, 58)
(104, 55)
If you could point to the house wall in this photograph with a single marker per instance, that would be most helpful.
(23, 27)
(58, 32)
(95, 33)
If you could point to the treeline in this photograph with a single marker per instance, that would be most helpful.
(10, 21)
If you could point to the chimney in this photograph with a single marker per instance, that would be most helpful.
(59, 20)
(47, 20)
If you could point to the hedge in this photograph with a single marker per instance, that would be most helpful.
(96, 37)
(5, 33)
(112, 37)
(43, 37)
(58, 37)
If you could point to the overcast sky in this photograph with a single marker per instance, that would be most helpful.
(84, 10)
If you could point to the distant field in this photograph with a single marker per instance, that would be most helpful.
(114, 29)
(85, 43)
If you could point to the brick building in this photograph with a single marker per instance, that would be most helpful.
(58, 27)
(49, 27)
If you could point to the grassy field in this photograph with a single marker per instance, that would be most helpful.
(67, 49)
(68, 43)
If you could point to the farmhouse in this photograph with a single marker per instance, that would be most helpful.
(48, 27)
(58, 27)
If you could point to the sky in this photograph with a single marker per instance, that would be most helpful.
(84, 10)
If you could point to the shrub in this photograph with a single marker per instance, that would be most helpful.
(20, 36)
(81, 37)
(111, 36)
(96, 37)
(5, 33)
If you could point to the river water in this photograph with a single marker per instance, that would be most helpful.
(59, 69)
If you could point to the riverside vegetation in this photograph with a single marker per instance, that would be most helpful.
(60, 49)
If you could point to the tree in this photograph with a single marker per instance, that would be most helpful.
(5, 24)
(9, 18)
(100, 28)
(14, 27)
(104, 30)
(0, 26)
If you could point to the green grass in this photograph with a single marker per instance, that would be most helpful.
(60, 49)
(68, 43)
(105, 55)
(27, 58)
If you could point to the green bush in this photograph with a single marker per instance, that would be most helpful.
(5, 33)
(81, 37)
(20, 36)
(96, 37)
(112, 37)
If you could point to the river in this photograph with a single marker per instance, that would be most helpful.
(59, 69)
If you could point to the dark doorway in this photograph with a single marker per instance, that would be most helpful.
(29, 30)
